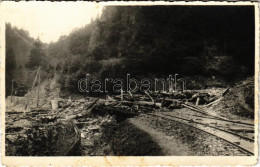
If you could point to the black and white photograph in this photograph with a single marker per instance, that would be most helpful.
(100, 79)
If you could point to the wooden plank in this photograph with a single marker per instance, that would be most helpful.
(32, 87)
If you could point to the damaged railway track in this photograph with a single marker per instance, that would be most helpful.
(242, 143)
(208, 115)
(239, 134)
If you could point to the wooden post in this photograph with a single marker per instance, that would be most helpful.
(175, 86)
(38, 91)
(122, 95)
(32, 88)
(197, 101)
(149, 96)
(130, 94)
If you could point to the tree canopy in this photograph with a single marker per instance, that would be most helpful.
(37, 55)
(159, 40)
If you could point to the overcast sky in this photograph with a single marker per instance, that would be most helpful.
(50, 20)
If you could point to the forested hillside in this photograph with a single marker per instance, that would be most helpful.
(23, 56)
(20, 43)
(149, 41)
(212, 46)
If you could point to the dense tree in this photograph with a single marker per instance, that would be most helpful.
(37, 56)
(160, 40)
(19, 45)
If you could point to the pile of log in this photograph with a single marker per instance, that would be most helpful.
(149, 101)
(51, 129)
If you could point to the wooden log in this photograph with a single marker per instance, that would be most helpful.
(149, 96)
(194, 106)
(131, 95)
(111, 103)
(145, 103)
(92, 104)
(242, 130)
(197, 101)
(166, 93)
(172, 100)
(148, 103)
(226, 91)
(214, 102)
(110, 98)
(194, 109)
(88, 109)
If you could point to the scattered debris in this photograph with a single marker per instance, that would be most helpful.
(77, 127)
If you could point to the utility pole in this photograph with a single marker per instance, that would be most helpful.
(38, 91)
(32, 87)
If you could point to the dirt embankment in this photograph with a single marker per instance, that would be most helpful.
(239, 100)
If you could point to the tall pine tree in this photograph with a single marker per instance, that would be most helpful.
(37, 55)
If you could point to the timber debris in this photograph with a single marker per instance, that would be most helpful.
(77, 124)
